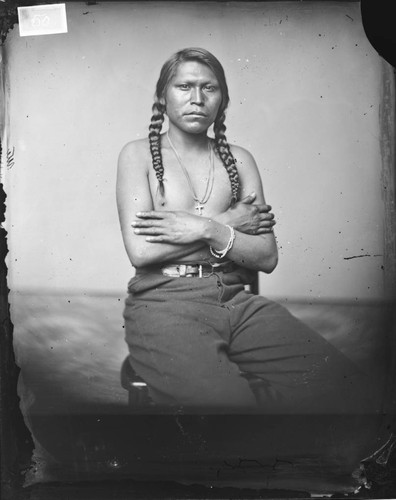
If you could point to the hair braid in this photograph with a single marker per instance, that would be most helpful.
(155, 127)
(224, 151)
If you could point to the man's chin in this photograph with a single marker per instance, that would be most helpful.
(196, 128)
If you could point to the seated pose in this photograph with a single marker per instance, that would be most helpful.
(197, 229)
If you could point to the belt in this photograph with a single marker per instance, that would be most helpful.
(195, 270)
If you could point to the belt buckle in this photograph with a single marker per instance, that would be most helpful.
(182, 269)
(185, 270)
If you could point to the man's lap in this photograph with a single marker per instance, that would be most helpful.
(199, 341)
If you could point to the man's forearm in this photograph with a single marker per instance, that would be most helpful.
(257, 252)
(254, 252)
(165, 236)
(155, 253)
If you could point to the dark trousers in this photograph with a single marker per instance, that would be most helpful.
(207, 344)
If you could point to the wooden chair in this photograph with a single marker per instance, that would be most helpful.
(138, 394)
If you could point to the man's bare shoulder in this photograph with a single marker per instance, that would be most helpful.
(248, 171)
(136, 151)
(243, 157)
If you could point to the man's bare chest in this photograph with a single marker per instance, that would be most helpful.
(197, 191)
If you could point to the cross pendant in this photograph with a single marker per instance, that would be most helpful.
(199, 207)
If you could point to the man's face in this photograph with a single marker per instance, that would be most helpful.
(193, 98)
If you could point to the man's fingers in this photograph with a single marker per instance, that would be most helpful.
(155, 239)
(265, 230)
(148, 230)
(150, 219)
(266, 223)
(151, 214)
(264, 208)
(162, 238)
(144, 223)
(266, 216)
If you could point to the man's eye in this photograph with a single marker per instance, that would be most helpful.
(210, 88)
(184, 86)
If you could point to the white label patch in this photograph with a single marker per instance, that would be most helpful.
(42, 19)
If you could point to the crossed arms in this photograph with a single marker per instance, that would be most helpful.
(152, 237)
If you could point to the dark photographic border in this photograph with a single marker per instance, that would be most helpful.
(376, 473)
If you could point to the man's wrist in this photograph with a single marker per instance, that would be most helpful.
(222, 218)
(209, 229)
(214, 232)
(220, 254)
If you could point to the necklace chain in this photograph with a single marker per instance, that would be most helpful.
(209, 185)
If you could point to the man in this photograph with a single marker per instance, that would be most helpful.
(196, 228)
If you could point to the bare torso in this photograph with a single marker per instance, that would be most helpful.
(181, 234)
(178, 195)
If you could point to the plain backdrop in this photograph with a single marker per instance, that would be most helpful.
(305, 87)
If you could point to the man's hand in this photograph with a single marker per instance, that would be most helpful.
(177, 227)
(248, 218)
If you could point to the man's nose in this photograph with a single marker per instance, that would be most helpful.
(196, 96)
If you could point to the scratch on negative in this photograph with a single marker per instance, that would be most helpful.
(180, 427)
(357, 256)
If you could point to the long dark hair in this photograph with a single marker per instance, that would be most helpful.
(222, 147)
